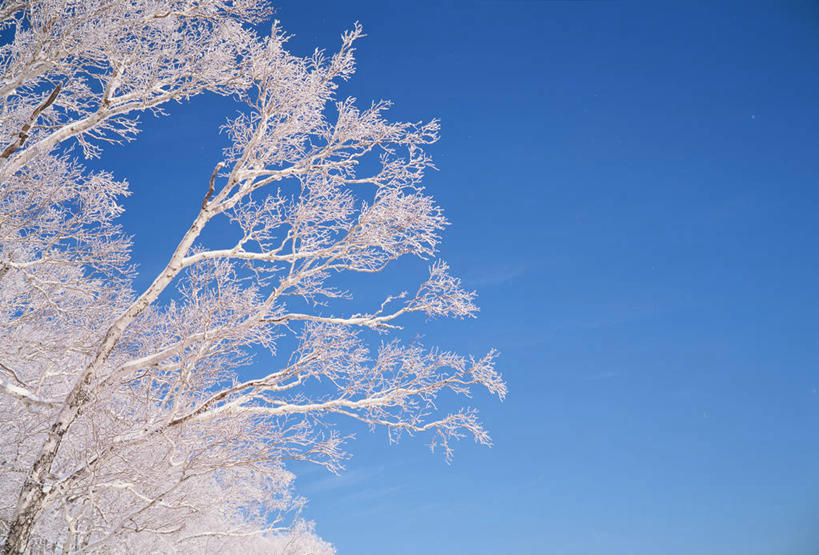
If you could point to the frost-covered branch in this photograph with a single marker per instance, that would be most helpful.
(128, 412)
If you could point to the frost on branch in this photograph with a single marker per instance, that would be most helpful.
(441, 295)
(131, 422)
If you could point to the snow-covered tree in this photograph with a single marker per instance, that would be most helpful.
(125, 424)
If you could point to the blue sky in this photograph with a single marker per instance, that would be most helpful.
(633, 192)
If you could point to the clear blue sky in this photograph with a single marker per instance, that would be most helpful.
(633, 192)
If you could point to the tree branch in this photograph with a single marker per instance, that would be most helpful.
(22, 136)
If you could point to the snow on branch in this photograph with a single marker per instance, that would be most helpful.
(130, 417)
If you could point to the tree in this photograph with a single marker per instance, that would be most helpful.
(124, 415)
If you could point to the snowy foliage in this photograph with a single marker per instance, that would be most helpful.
(126, 427)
